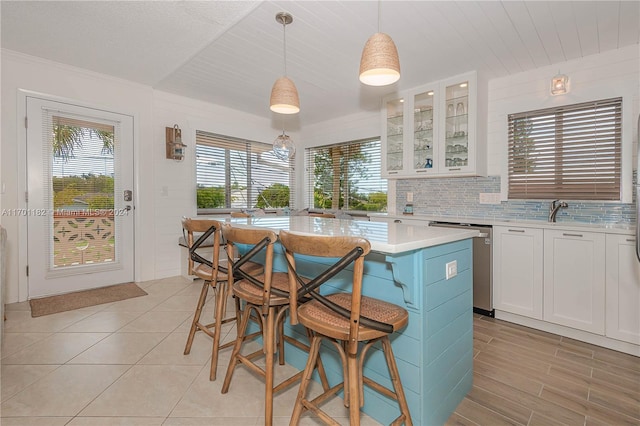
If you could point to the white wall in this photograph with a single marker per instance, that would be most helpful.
(174, 187)
(157, 215)
(606, 75)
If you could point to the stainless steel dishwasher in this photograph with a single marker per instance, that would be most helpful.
(482, 266)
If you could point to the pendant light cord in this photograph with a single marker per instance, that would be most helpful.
(379, 8)
(284, 37)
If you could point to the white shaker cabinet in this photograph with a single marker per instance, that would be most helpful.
(574, 279)
(518, 270)
(622, 289)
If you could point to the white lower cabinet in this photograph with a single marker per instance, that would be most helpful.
(574, 279)
(517, 270)
(622, 289)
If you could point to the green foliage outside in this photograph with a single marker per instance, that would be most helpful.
(276, 195)
(523, 148)
(210, 197)
(337, 172)
(91, 191)
(94, 191)
(67, 138)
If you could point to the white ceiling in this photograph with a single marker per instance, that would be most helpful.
(231, 52)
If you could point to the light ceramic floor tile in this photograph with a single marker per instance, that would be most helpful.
(63, 392)
(203, 398)
(120, 348)
(103, 322)
(192, 289)
(21, 321)
(137, 304)
(178, 303)
(13, 342)
(145, 390)
(212, 421)
(154, 322)
(166, 288)
(117, 421)
(171, 350)
(17, 377)
(35, 421)
(55, 349)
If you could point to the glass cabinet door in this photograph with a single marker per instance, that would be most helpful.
(395, 134)
(423, 156)
(457, 125)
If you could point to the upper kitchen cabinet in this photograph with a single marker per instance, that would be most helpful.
(432, 131)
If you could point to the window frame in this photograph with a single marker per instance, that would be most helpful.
(565, 115)
(309, 177)
(251, 148)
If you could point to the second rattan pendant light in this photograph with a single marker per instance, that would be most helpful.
(284, 95)
(379, 65)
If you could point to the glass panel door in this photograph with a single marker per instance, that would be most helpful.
(457, 125)
(423, 157)
(395, 134)
(80, 232)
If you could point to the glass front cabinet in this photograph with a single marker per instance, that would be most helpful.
(431, 131)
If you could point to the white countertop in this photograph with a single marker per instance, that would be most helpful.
(614, 228)
(384, 237)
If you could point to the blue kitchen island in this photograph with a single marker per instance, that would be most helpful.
(408, 267)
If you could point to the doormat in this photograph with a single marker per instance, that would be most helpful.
(82, 299)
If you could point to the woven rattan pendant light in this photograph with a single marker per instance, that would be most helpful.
(284, 95)
(379, 65)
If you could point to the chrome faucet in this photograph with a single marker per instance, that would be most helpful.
(554, 207)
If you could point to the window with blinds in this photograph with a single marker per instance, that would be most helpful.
(346, 176)
(570, 152)
(240, 174)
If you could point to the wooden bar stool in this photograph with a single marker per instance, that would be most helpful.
(267, 297)
(345, 320)
(214, 276)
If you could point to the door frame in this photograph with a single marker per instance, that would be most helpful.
(21, 245)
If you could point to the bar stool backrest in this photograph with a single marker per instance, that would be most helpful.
(349, 250)
(257, 239)
(199, 231)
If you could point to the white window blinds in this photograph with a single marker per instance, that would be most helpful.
(239, 174)
(570, 152)
(346, 176)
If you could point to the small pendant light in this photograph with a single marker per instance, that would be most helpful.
(284, 95)
(283, 147)
(379, 65)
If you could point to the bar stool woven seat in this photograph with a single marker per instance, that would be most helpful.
(337, 326)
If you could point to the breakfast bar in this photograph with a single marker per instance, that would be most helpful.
(426, 270)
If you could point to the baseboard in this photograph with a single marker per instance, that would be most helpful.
(572, 333)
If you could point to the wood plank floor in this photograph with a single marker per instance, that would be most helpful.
(524, 376)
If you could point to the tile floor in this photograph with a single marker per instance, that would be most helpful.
(122, 364)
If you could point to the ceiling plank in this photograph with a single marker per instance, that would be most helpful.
(521, 20)
(540, 14)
